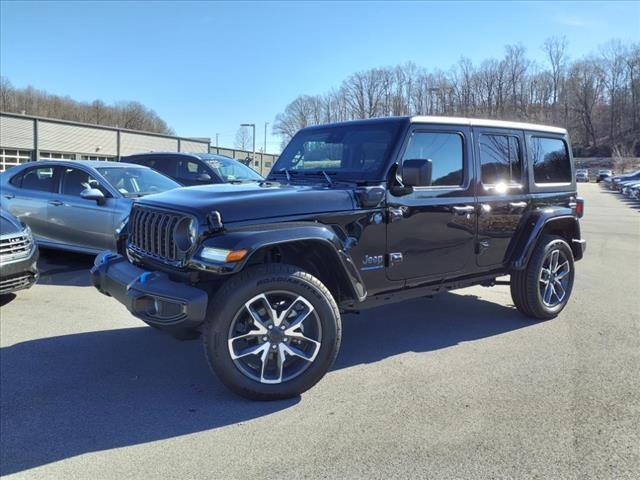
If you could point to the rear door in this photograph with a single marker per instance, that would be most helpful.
(29, 197)
(431, 231)
(503, 195)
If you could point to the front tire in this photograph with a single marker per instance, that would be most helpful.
(272, 332)
(543, 288)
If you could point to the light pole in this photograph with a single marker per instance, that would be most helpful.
(253, 137)
(265, 138)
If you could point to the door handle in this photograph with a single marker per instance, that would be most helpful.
(9, 196)
(395, 214)
(55, 203)
(518, 205)
(466, 210)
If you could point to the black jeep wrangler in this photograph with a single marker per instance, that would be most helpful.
(351, 216)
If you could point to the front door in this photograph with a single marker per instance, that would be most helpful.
(502, 194)
(431, 231)
(80, 222)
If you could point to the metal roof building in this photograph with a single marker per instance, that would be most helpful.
(25, 138)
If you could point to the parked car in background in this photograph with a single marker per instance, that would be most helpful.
(635, 191)
(626, 187)
(620, 183)
(77, 205)
(612, 182)
(18, 255)
(582, 175)
(190, 169)
(602, 174)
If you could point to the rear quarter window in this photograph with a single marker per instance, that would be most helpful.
(551, 161)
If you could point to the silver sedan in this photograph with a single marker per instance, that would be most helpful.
(77, 205)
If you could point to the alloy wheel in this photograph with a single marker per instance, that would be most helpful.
(274, 337)
(554, 278)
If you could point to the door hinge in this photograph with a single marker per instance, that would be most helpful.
(482, 245)
(395, 258)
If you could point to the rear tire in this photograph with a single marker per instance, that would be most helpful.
(543, 288)
(272, 332)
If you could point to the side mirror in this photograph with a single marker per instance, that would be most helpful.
(203, 177)
(416, 172)
(93, 194)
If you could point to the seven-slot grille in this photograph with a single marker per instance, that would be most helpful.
(152, 232)
(14, 246)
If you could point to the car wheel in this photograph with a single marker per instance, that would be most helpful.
(272, 332)
(543, 288)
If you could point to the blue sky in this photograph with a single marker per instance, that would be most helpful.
(206, 67)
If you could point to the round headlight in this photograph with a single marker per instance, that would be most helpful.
(186, 234)
(193, 232)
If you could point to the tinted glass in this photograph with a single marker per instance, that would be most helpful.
(135, 182)
(445, 152)
(347, 151)
(74, 181)
(232, 170)
(40, 179)
(550, 159)
(500, 159)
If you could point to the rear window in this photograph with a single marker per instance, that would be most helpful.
(39, 179)
(551, 163)
(500, 160)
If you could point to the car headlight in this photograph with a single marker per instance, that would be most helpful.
(27, 232)
(186, 234)
(193, 231)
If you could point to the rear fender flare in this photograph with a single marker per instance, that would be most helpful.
(538, 224)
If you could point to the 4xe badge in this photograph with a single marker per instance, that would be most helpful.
(372, 262)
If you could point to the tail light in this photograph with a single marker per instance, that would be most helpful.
(579, 207)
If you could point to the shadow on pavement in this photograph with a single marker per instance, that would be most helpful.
(73, 394)
(64, 268)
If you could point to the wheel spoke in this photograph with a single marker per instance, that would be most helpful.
(559, 290)
(544, 276)
(300, 318)
(561, 266)
(548, 292)
(296, 352)
(253, 350)
(254, 314)
(563, 271)
(553, 262)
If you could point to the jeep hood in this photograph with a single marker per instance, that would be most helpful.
(252, 201)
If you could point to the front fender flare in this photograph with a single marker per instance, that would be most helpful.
(257, 237)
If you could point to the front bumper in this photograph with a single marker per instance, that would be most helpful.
(150, 295)
(19, 274)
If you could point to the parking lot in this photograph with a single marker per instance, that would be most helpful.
(456, 386)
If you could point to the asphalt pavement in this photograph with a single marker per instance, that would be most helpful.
(457, 386)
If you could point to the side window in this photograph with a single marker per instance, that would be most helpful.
(74, 181)
(16, 180)
(39, 179)
(188, 169)
(500, 159)
(445, 150)
(551, 162)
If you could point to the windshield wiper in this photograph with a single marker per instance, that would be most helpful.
(326, 175)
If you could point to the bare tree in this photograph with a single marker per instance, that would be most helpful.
(243, 138)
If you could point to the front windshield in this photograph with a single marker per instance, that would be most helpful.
(231, 170)
(349, 151)
(136, 181)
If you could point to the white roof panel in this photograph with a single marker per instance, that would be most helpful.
(479, 122)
